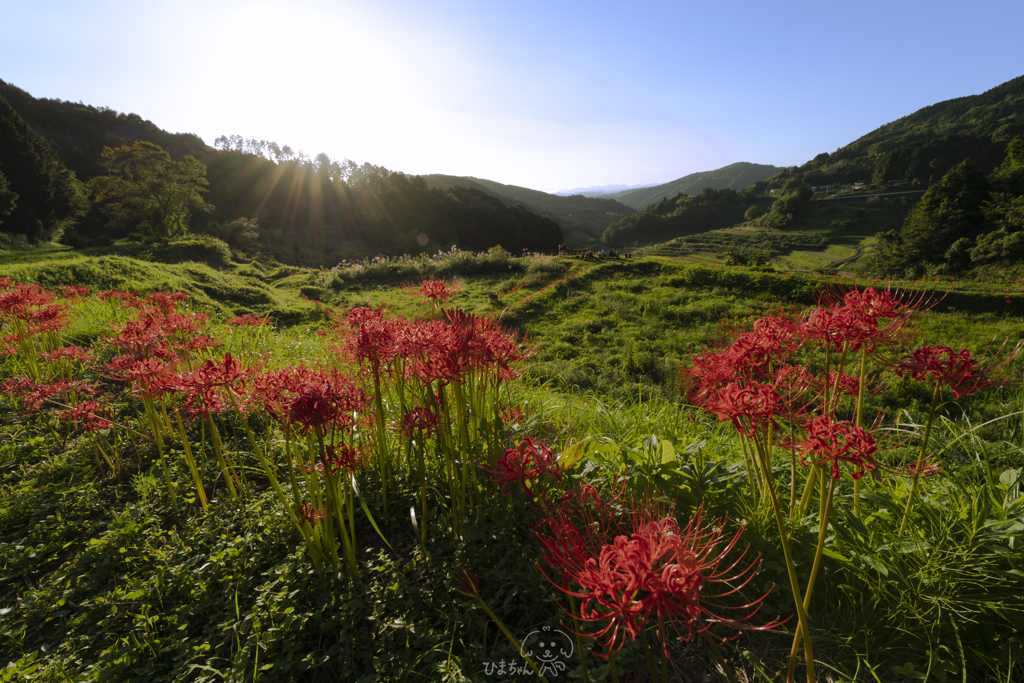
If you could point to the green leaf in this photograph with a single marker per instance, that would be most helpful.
(668, 453)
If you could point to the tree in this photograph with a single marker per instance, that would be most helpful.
(42, 196)
(8, 198)
(148, 191)
(753, 213)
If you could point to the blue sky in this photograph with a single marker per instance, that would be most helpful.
(549, 95)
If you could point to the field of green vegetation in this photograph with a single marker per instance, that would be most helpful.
(425, 468)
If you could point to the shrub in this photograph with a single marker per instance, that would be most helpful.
(203, 249)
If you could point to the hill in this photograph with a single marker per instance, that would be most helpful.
(582, 218)
(734, 177)
(923, 145)
(262, 197)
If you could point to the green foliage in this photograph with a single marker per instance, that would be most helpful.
(682, 215)
(590, 215)
(964, 221)
(202, 249)
(147, 191)
(39, 196)
(753, 212)
(927, 143)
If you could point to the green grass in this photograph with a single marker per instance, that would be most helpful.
(103, 579)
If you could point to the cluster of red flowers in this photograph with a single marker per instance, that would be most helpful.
(755, 380)
(444, 351)
(527, 465)
(249, 320)
(31, 305)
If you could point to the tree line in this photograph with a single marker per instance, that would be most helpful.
(146, 183)
(964, 222)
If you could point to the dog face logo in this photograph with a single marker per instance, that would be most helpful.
(548, 647)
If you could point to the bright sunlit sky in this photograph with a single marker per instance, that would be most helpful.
(548, 95)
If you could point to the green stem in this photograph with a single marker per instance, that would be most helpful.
(920, 458)
(508, 635)
(729, 672)
(825, 514)
(794, 582)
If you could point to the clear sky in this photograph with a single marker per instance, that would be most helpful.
(548, 95)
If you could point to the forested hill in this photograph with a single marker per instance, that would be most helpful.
(734, 177)
(924, 145)
(586, 216)
(79, 132)
(253, 194)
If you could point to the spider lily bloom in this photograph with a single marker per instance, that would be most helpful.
(309, 514)
(527, 463)
(71, 292)
(958, 371)
(249, 320)
(85, 413)
(963, 376)
(748, 405)
(681, 577)
(419, 418)
(830, 443)
(434, 290)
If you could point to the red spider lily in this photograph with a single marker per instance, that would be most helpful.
(340, 458)
(845, 383)
(748, 405)
(660, 572)
(831, 443)
(72, 292)
(512, 416)
(166, 302)
(148, 376)
(530, 461)
(35, 396)
(839, 326)
(23, 300)
(311, 515)
(249, 320)
(420, 418)
(358, 316)
(958, 371)
(86, 414)
(126, 298)
(72, 353)
(468, 583)
(711, 372)
(202, 387)
(434, 290)
(309, 399)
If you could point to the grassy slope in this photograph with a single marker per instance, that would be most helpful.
(106, 580)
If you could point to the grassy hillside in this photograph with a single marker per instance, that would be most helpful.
(734, 176)
(114, 567)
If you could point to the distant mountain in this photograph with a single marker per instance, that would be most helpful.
(588, 217)
(599, 190)
(734, 177)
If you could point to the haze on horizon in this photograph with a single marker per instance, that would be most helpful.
(541, 95)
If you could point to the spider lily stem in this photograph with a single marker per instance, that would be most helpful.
(920, 458)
